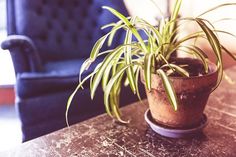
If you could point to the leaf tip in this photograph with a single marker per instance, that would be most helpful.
(104, 7)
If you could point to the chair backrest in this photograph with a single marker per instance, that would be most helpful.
(61, 29)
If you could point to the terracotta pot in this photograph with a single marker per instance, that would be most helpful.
(192, 95)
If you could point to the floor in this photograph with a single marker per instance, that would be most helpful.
(10, 133)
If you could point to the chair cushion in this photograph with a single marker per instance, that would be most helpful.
(58, 76)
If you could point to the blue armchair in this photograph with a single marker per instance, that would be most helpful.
(48, 41)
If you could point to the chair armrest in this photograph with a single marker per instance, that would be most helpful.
(23, 52)
(35, 84)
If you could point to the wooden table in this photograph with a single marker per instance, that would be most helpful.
(101, 137)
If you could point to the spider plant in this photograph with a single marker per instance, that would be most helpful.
(149, 56)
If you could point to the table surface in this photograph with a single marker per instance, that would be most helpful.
(102, 137)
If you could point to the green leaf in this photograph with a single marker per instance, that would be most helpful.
(109, 86)
(97, 46)
(170, 92)
(74, 92)
(84, 66)
(163, 58)
(188, 37)
(113, 32)
(114, 99)
(111, 24)
(106, 76)
(177, 68)
(128, 24)
(229, 53)
(174, 67)
(148, 69)
(224, 32)
(155, 31)
(216, 7)
(96, 69)
(111, 67)
(108, 60)
(151, 42)
(174, 15)
(199, 53)
(100, 42)
(108, 25)
(216, 46)
(117, 52)
(107, 72)
(128, 58)
(137, 82)
(213, 40)
(177, 6)
(233, 56)
(126, 82)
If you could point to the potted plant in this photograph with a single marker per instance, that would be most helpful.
(177, 88)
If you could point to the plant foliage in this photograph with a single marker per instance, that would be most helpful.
(151, 55)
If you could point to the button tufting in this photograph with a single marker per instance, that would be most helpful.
(65, 27)
(59, 39)
(84, 13)
(99, 10)
(76, 3)
(90, 2)
(39, 11)
(89, 36)
(94, 23)
(43, 36)
(49, 24)
(54, 14)
(44, 2)
(80, 26)
(60, 3)
(70, 15)
(74, 38)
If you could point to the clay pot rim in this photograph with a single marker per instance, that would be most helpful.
(212, 70)
(212, 73)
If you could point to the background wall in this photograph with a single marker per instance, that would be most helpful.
(199, 6)
(146, 9)
(7, 77)
(6, 68)
(3, 14)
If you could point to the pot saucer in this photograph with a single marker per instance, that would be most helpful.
(174, 133)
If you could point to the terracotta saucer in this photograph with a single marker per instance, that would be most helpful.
(174, 133)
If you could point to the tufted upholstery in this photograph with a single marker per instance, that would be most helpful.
(60, 24)
(48, 42)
